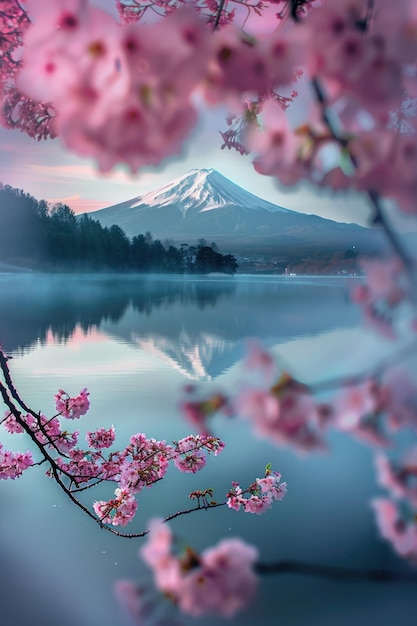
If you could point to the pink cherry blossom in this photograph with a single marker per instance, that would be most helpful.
(399, 397)
(11, 424)
(385, 289)
(13, 464)
(235, 497)
(363, 67)
(259, 496)
(118, 511)
(285, 414)
(123, 93)
(220, 581)
(189, 452)
(277, 146)
(157, 554)
(271, 484)
(144, 462)
(224, 582)
(82, 466)
(101, 438)
(400, 533)
(72, 408)
(399, 478)
(199, 411)
(242, 64)
(261, 407)
(356, 402)
(65, 441)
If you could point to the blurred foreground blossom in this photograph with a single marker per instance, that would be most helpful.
(220, 581)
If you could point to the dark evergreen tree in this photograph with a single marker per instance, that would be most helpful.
(117, 249)
(139, 254)
(62, 235)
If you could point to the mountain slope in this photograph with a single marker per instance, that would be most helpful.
(204, 203)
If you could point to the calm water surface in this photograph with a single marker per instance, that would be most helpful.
(134, 342)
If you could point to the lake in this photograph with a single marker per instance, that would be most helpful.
(135, 342)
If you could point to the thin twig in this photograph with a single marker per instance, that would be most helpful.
(219, 14)
(379, 219)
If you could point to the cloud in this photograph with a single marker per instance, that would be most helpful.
(79, 204)
(63, 171)
(78, 171)
(66, 199)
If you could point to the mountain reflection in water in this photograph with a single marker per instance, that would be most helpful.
(198, 325)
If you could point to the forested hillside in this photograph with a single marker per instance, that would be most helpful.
(36, 235)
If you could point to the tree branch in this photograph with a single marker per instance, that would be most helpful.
(334, 573)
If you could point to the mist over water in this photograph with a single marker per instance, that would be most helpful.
(134, 342)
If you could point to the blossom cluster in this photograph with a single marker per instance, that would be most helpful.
(119, 510)
(383, 296)
(101, 438)
(399, 479)
(114, 87)
(400, 532)
(135, 10)
(189, 452)
(125, 93)
(285, 413)
(198, 411)
(141, 464)
(13, 464)
(72, 408)
(397, 516)
(259, 496)
(220, 581)
(288, 412)
(47, 431)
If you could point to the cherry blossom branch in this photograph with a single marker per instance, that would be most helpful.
(372, 195)
(57, 470)
(150, 456)
(187, 454)
(380, 219)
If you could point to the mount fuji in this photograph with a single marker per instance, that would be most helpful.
(204, 203)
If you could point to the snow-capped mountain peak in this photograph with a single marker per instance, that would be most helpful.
(202, 190)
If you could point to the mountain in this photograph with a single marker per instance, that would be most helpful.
(204, 203)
